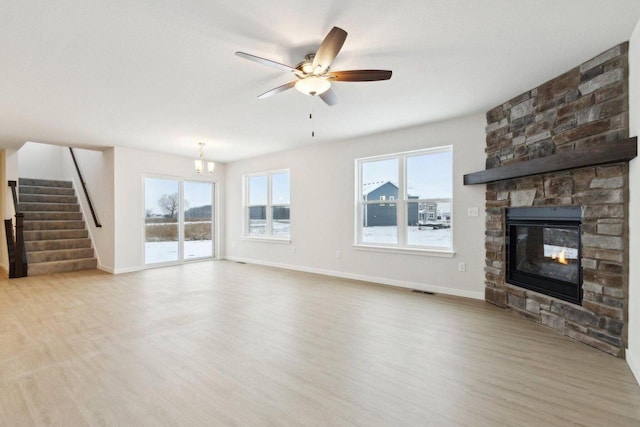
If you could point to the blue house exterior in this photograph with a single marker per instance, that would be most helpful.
(385, 213)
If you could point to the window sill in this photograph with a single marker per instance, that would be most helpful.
(440, 253)
(285, 241)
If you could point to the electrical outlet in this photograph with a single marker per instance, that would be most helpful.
(338, 254)
(462, 266)
(472, 211)
(293, 249)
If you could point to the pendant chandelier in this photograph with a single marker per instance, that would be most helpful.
(201, 163)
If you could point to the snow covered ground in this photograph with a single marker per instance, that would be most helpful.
(155, 252)
(423, 237)
(258, 227)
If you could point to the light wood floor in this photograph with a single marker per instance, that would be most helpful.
(221, 343)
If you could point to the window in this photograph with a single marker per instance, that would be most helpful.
(178, 220)
(421, 183)
(267, 205)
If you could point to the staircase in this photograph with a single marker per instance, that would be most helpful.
(56, 237)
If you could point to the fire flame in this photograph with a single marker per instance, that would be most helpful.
(560, 257)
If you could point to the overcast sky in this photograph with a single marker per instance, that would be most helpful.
(428, 176)
(280, 191)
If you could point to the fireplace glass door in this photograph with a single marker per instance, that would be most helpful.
(544, 255)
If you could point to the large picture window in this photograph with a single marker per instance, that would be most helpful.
(404, 200)
(268, 205)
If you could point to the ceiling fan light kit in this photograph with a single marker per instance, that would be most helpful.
(313, 73)
(313, 85)
(306, 66)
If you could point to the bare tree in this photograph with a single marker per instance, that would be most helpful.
(169, 204)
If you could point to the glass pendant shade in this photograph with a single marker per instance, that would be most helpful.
(313, 85)
(198, 164)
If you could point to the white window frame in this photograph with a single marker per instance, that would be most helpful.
(401, 208)
(269, 207)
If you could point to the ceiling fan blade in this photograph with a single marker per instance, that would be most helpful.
(277, 90)
(329, 49)
(329, 97)
(266, 62)
(359, 75)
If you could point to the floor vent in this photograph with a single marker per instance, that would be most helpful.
(423, 292)
(241, 262)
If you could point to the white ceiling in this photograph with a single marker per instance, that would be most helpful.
(162, 75)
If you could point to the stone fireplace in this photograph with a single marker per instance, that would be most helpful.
(584, 109)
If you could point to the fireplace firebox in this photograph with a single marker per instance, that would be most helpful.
(544, 251)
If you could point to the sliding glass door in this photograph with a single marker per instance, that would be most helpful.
(178, 220)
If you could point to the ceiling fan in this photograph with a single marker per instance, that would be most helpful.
(313, 74)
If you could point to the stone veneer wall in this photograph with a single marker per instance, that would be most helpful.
(585, 107)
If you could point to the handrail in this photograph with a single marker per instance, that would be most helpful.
(12, 184)
(84, 187)
(18, 265)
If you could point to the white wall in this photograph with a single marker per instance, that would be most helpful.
(322, 211)
(43, 161)
(130, 167)
(633, 352)
(11, 174)
(97, 168)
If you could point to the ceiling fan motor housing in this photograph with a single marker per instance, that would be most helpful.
(306, 66)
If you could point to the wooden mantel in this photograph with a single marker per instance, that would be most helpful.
(611, 152)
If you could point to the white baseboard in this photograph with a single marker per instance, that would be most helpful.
(364, 278)
(633, 360)
(126, 270)
(157, 265)
(106, 269)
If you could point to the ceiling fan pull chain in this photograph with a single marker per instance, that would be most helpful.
(313, 124)
(313, 132)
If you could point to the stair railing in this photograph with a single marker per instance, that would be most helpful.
(15, 245)
(84, 187)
